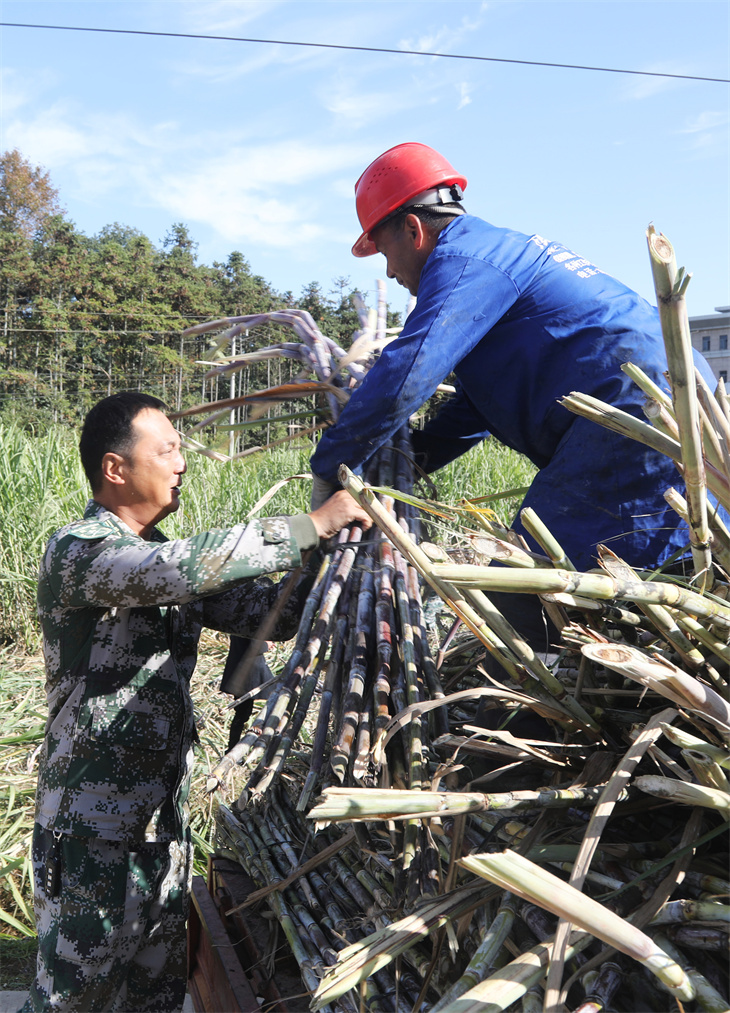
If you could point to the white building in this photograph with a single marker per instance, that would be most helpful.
(710, 336)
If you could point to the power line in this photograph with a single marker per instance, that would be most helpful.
(367, 49)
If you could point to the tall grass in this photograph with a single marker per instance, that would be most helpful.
(42, 487)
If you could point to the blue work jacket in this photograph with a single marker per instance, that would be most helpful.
(522, 322)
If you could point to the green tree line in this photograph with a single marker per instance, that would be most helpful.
(83, 316)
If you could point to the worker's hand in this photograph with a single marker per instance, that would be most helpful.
(321, 491)
(340, 509)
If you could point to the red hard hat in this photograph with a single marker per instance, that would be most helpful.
(393, 179)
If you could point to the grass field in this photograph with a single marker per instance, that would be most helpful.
(42, 486)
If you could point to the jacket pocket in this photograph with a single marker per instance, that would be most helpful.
(131, 729)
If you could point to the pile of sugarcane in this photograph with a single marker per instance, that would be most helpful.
(592, 873)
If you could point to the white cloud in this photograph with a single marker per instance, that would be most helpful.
(707, 132)
(464, 94)
(17, 90)
(709, 120)
(255, 195)
(252, 193)
(358, 107)
(225, 17)
(637, 87)
(222, 72)
(445, 39)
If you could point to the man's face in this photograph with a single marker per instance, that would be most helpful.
(154, 467)
(405, 255)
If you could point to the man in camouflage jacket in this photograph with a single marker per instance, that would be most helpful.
(121, 610)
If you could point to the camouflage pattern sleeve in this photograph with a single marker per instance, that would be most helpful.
(98, 561)
(121, 620)
(242, 610)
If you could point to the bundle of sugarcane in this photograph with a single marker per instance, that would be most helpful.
(627, 841)
(361, 651)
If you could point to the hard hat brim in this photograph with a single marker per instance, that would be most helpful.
(364, 247)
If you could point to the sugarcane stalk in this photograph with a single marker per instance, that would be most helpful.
(719, 534)
(357, 962)
(600, 987)
(596, 825)
(707, 997)
(485, 956)
(531, 660)
(348, 804)
(513, 872)
(431, 572)
(492, 547)
(686, 740)
(309, 669)
(665, 678)
(284, 916)
(706, 770)
(341, 751)
(385, 624)
(506, 986)
(715, 452)
(670, 285)
(684, 793)
(686, 910)
(408, 659)
(262, 778)
(621, 422)
(252, 737)
(593, 585)
(722, 398)
(425, 661)
(325, 707)
(649, 387)
(545, 539)
(660, 617)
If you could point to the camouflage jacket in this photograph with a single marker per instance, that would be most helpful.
(121, 618)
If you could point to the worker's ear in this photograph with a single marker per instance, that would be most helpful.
(112, 468)
(420, 235)
(417, 232)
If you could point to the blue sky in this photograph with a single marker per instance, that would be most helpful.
(257, 147)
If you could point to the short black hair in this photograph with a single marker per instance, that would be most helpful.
(107, 429)
(434, 216)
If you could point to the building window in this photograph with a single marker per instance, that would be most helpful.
(723, 375)
(705, 344)
(723, 342)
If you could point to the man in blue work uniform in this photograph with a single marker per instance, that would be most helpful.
(521, 321)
